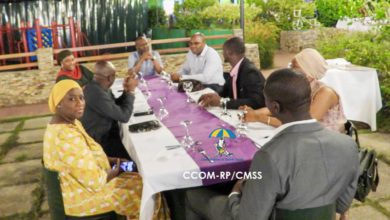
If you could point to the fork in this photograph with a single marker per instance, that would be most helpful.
(203, 152)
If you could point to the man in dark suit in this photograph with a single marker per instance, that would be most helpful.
(244, 85)
(103, 111)
(303, 166)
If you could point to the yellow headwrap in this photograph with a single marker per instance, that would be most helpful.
(58, 92)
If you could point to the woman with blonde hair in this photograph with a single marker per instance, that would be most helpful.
(325, 102)
(89, 185)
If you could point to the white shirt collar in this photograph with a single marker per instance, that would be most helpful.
(204, 51)
(284, 126)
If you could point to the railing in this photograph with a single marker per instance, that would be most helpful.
(18, 66)
(106, 56)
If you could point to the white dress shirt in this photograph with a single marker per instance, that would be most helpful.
(206, 67)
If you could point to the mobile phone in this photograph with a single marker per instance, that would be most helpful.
(148, 112)
(127, 166)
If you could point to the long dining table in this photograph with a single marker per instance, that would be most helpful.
(163, 163)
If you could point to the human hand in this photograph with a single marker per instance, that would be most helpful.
(250, 115)
(113, 160)
(238, 186)
(147, 56)
(131, 73)
(112, 173)
(175, 77)
(245, 107)
(209, 99)
(129, 84)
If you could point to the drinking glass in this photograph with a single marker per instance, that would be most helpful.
(141, 80)
(188, 86)
(187, 140)
(224, 107)
(241, 127)
(163, 112)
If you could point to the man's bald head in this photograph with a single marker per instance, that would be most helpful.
(290, 89)
(197, 43)
(104, 68)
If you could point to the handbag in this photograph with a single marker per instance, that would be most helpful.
(196, 85)
(368, 170)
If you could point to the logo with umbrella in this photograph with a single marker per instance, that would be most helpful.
(220, 145)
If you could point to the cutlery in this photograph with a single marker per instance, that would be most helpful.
(171, 147)
(203, 152)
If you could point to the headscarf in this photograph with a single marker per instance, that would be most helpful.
(312, 63)
(58, 92)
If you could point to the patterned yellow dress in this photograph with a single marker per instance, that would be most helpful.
(82, 167)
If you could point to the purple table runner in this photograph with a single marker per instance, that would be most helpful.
(203, 123)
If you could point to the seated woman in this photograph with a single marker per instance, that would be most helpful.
(70, 70)
(325, 102)
(89, 186)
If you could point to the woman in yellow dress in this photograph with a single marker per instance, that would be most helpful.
(89, 186)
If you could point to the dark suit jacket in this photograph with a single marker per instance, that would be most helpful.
(250, 84)
(303, 166)
(103, 111)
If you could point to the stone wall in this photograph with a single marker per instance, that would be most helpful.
(33, 86)
(295, 41)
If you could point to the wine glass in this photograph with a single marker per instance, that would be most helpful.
(141, 80)
(224, 107)
(187, 140)
(147, 93)
(188, 86)
(163, 112)
(241, 127)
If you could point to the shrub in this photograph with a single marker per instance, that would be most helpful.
(266, 37)
(228, 15)
(281, 12)
(330, 11)
(188, 13)
(156, 17)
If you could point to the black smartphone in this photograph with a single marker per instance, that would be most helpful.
(148, 112)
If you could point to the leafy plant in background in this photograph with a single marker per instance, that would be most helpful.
(330, 11)
(228, 15)
(156, 17)
(266, 36)
(188, 13)
(281, 12)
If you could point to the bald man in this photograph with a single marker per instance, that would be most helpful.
(103, 112)
(202, 63)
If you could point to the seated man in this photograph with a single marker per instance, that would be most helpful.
(303, 166)
(103, 112)
(244, 85)
(202, 63)
(143, 60)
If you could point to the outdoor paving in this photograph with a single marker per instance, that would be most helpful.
(36, 123)
(17, 199)
(20, 175)
(31, 136)
(24, 152)
(4, 137)
(4, 127)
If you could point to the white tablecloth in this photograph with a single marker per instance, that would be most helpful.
(358, 88)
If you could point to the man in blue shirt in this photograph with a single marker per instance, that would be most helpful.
(144, 60)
